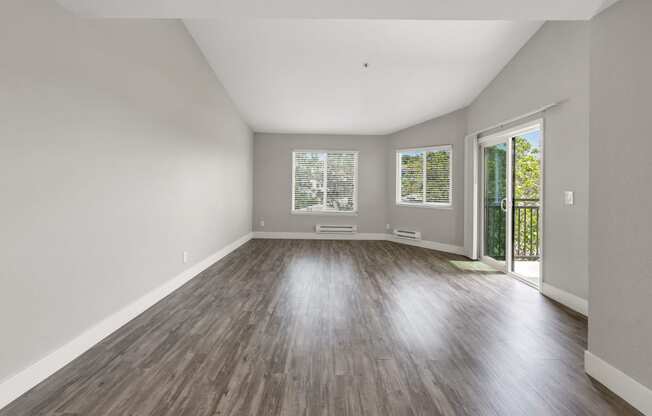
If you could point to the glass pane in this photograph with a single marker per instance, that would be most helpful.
(495, 194)
(412, 177)
(527, 193)
(438, 177)
(309, 180)
(340, 182)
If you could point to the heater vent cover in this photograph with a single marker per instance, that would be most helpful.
(407, 234)
(336, 229)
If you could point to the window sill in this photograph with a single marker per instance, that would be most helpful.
(325, 213)
(426, 206)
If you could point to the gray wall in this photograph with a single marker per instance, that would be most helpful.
(117, 146)
(553, 66)
(273, 182)
(376, 181)
(620, 328)
(443, 225)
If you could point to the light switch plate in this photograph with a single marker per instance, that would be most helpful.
(568, 198)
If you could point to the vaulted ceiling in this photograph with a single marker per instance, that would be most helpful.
(364, 67)
(309, 75)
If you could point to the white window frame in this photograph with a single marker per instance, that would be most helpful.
(355, 153)
(436, 205)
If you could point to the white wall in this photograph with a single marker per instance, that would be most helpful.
(117, 148)
(620, 324)
(273, 182)
(442, 225)
(553, 66)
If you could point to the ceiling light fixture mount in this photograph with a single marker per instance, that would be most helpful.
(365, 65)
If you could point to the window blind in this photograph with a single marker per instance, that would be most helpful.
(324, 181)
(424, 176)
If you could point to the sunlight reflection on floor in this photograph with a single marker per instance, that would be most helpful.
(472, 266)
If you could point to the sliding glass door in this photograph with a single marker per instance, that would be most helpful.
(527, 153)
(495, 166)
(511, 198)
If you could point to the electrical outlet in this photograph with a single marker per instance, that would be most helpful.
(262, 223)
(185, 257)
(387, 227)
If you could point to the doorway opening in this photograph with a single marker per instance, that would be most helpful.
(511, 195)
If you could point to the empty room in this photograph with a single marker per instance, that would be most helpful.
(318, 207)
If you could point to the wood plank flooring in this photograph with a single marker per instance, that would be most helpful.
(288, 327)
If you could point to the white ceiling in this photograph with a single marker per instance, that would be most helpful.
(307, 75)
(345, 9)
(297, 65)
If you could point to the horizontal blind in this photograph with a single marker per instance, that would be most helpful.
(340, 179)
(438, 180)
(324, 181)
(412, 177)
(425, 176)
(309, 172)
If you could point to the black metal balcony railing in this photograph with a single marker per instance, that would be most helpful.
(495, 223)
(526, 230)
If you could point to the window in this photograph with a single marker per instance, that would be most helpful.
(324, 181)
(423, 176)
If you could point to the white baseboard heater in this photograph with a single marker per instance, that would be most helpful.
(336, 229)
(407, 234)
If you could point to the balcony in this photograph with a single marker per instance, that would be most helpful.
(526, 249)
(526, 242)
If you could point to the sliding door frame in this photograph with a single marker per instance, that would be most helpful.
(506, 136)
(484, 143)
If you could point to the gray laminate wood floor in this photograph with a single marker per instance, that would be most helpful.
(283, 327)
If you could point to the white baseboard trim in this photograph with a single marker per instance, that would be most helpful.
(18, 384)
(620, 383)
(433, 245)
(569, 300)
